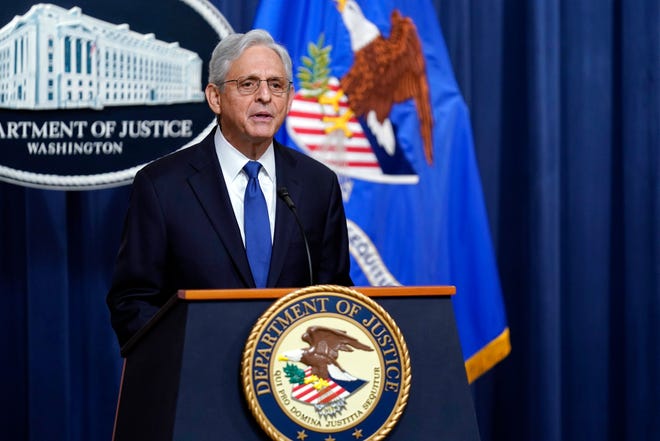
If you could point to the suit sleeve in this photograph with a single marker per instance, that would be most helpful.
(136, 292)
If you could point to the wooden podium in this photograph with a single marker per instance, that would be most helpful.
(181, 378)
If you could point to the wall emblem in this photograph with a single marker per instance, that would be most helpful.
(91, 93)
(326, 363)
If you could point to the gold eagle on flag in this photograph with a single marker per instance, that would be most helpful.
(385, 71)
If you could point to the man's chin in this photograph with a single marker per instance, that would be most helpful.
(262, 133)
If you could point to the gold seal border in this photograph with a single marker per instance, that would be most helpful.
(257, 329)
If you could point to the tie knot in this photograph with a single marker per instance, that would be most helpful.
(252, 169)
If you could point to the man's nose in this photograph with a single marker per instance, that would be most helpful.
(263, 92)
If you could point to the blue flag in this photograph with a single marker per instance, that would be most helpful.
(376, 100)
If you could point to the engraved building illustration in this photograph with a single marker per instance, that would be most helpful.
(54, 58)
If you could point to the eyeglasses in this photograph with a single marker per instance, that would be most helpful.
(249, 85)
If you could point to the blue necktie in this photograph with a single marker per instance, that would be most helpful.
(257, 226)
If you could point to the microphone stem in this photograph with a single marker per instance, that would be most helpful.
(284, 194)
(304, 236)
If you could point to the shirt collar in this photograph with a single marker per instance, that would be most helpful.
(232, 160)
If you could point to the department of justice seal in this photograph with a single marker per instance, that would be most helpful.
(326, 363)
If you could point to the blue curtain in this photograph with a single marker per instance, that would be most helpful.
(565, 107)
(566, 113)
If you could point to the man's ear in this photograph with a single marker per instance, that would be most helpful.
(213, 98)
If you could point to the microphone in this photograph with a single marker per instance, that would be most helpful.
(283, 193)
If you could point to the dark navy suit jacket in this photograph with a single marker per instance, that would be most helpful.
(181, 233)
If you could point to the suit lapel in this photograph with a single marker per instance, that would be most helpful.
(285, 223)
(209, 186)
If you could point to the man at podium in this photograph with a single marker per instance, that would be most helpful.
(238, 209)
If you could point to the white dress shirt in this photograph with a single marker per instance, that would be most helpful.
(231, 163)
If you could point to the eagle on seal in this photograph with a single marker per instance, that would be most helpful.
(323, 351)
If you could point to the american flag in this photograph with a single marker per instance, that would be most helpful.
(306, 125)
(307, 393)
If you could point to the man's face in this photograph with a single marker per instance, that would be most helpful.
(249, 122)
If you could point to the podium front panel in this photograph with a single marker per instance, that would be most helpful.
(198, 345)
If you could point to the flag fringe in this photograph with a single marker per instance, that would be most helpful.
(488, 356)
